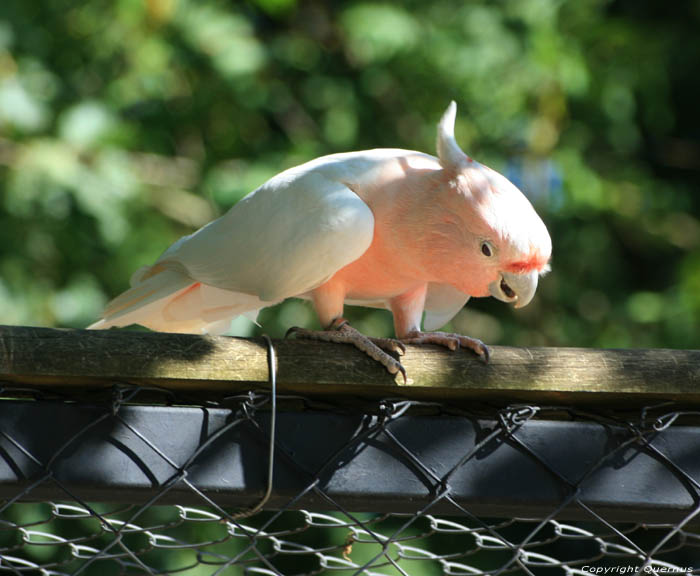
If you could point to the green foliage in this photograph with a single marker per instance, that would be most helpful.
(124, 125)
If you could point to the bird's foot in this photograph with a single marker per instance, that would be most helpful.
(449, 340)
(376, 348)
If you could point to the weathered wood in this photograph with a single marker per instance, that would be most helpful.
(69, 358)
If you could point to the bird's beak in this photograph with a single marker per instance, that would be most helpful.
(515, 288)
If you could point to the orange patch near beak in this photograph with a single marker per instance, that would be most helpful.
(533, 262)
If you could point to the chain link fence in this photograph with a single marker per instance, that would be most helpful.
(147, 481)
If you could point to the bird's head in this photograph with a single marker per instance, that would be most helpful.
(504, 245)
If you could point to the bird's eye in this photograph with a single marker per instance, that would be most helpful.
(486, 249)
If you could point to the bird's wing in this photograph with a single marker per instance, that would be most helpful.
(442, 302)
(284, 239)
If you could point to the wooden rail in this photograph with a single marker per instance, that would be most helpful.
(45, 357)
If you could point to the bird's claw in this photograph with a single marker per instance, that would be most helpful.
(389, 345)
(451, 341)
(483, 352)
(376, 348)
(402, 370)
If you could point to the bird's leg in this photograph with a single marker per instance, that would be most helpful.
(343, 326)
(328, 301)
(408, 310)
(448, 340)
(376, 348)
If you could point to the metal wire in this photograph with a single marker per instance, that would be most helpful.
(272, 379)
(154, 533)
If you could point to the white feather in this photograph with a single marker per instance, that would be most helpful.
(442, 303)
(284, 239)
(144, 302)
(450, 154)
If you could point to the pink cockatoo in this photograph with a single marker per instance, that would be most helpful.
(382, 228)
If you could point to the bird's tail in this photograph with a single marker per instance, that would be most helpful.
(169, 300)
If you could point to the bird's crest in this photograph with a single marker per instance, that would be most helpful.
(450, 154)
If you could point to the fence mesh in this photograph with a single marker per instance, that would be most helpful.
(148, 534)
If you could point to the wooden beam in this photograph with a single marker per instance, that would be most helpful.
(46, 357)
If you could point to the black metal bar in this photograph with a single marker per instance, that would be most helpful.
(130, 455)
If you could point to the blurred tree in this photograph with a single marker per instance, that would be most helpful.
(126, 124)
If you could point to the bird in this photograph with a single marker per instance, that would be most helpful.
(384, 228)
